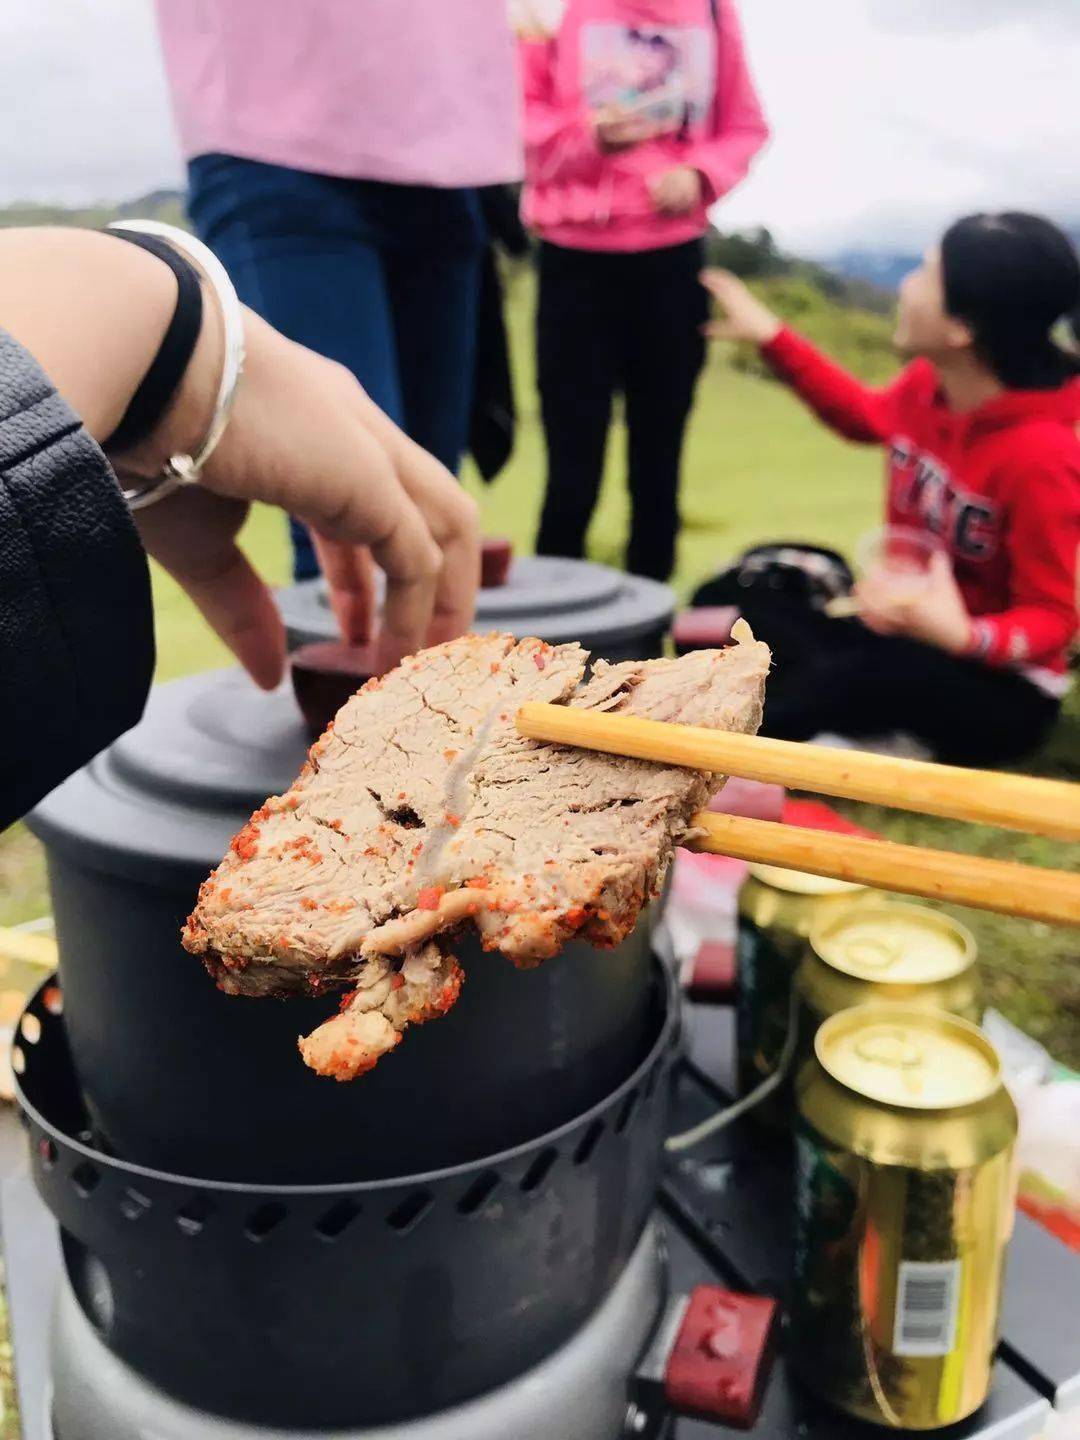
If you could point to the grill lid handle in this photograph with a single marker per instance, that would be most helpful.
(496, 553)
(325, 674)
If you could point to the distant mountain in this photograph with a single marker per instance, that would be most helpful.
(754, 255)
(886, 268)
(882, 268)
(166, 205)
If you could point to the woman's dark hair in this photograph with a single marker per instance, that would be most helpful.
(1011, 278)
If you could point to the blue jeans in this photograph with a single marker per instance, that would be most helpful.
(383, 278)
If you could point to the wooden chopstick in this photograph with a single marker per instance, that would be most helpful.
(1017, 802)
(1001, 885)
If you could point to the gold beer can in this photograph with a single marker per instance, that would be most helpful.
(904, 1197)
(778, 910)
(888, 951)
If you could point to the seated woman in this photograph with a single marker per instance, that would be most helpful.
(983, 454)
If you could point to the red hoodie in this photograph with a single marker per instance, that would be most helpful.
(999, 485)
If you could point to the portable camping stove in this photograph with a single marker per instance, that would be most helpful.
(720, 1221)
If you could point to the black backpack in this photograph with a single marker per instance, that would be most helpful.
(808, 574)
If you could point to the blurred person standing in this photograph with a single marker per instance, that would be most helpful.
(639, 115)
(334, 152)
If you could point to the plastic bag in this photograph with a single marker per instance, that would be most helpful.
(1048, 1152)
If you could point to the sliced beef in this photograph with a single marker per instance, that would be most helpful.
(421, 810)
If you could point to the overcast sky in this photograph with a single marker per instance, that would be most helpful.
(889, 115)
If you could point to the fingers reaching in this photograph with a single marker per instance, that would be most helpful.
(717, 281)
(453, 520)
(450, 514)
(350, 576)
(411, 562)
(239, 606)
(719, 330)
(192, 535)
(744, 316)
(305, 437)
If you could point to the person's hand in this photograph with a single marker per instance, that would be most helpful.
(618, 129)
(743, 316)
(933, 612)
(305, 437)
(677, 191)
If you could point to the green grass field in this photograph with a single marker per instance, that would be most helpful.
(757, 467)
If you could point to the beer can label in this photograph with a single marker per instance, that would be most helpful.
(749, 941)
(927, 1304)
(825, 1206)
(762, 1007)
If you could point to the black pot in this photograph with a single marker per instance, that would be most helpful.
(183, 1078)
(615, 616)
(348, 1305)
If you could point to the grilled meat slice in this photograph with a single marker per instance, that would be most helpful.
(421, 810)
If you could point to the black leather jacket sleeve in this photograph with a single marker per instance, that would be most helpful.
(76, 626)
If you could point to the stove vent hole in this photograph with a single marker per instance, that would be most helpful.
(53, 1000)
(478, 1193)
(626, 1112)
(336, 1220)
(192, 1217)
(588, 1142)
(94, 1288)
(410, 1212)
(262, 1223)
(46, 1153)
(30, 1026)
(85, 1178)
(537, 1172)
(134, 1205)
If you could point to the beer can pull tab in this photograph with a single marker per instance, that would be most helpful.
(721, 1355)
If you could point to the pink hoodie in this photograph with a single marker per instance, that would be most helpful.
(415, 92)
(666, 56)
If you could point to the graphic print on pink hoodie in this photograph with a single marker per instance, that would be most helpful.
(665, 59)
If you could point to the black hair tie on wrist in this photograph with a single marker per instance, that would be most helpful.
(162, 379)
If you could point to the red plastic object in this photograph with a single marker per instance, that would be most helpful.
(1060, 1222)
(325, 675)
(496, 554)
(712, 977)
(816, 815)
(706, 628)
(722, 1355)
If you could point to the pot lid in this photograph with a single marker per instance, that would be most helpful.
(214, 740)
(555, 599)
(545, 585)
(173, 791)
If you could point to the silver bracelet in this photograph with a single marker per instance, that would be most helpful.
(187, 469)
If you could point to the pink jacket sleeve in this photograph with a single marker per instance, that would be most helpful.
(559, 141)
(739, 128)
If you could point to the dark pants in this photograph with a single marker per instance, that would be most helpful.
(838, 676)
(607, 323)
(383, 278)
